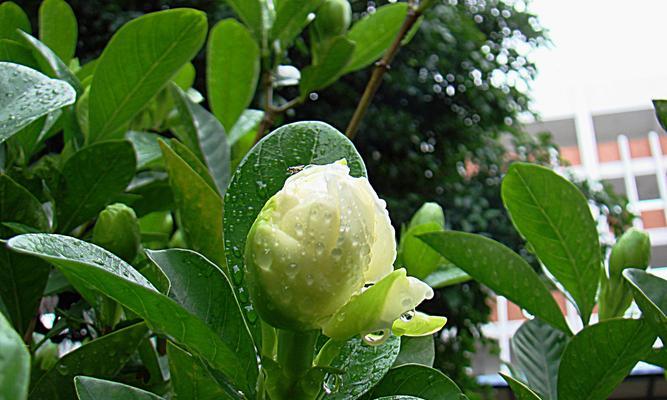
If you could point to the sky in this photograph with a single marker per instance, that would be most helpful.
(610, 55)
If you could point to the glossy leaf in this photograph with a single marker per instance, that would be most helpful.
(250, 12)
(12, 17)
(501, 269)
(232, 70)
(416, 350)
(146, 148)
(14, 363)
(49, 62)
(553, 215)
(374, 33)
(137, 63)
(363, 366)
(247, 123)
(58, 28)
(189, 378)
(291, 18)
(199, 205)
(93, 176)
(598, 358)
(520, 390)
(117, 348)
(650, 293)
(88, 388)
(27, 96)
(446, 275)
(207, 138)
(416, 256)
(536, 350)
(419, 381)
(329, 68)
(200, 287)
(118, 280)
(264, 171)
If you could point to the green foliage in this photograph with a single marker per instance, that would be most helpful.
(58, 28)
(14, 363)
(88, 388)
(409, 380)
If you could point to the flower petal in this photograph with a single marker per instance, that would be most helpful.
(419, 324)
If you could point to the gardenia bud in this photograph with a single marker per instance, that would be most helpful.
(632, 250)
(315, 248)
(332, 19)
(117, 230)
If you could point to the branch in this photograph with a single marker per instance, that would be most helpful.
(382, 66)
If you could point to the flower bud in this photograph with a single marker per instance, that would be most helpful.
(117, 230)
(632, 250)
(332, 19)
(314, 248)
(428, 213)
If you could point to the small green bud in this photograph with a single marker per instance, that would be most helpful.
(178, 240)
(632, 250)
(428, 213)
(117, 230)
(332, 19)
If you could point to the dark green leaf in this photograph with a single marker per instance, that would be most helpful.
(14, 362)
(199, 205)
(93, 176)
(416, 350)
(562, 233)
(660, 107)
(58, 28)
(12, 18)
(88, 388)
(118, 280)
(232, 70)
(501, 269)
(27, 96)
(116, 349)
(263, 172)
(189, 378)
(291, 18)
(536, 349)
(417, 380)
(137, 63)
(329, 68)
(598, 358)
(650, 293)
(520, 390)
(14, 52)
(374, 33)
(657, 357)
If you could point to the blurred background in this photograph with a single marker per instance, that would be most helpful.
(563, 83)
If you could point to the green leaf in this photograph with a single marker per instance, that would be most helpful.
(200, 287)
(536, 349)
(189, 378)
(291, 18)
(58, 28)
(374, 33)
(329, 68)
(416, 256)
(416, 350)
(118, 280)
(12, 17)
(657, 357)
(598, 358)
(88, 388)
(27, 96)
(146, 148)
(650, 293)
(250, 12)
(660, 107)
(417, 380)
(199, 205)
(137, 63)
(247, 123)
(363, 366)
(117, 348)
(501, 269)
(263, 172)
(14, 362)
(562, 233)
(14, 52)
(232, 70)
(520, 390)
(49, 62)
(93, 176)
(207, 138)
(446, 275)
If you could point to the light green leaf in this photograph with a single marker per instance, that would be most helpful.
(329, 68)
(247, 123)
(416, 350)
(93, 176)
(14, 363)
(189, 378)
(137, 63)
(291, 18)
(15, 52)
(117, 348)
(12, 17)
(501, 269)
(185, 77)
(520, 390)
(650, 293)
(536, 350)
(58, 28)
(27, 96)
(562, 233)
(416, 256)
(206, 138)
(118, 280)
(374, 33)
(88, 388)
(250, 12)
(419, 381)
(598, 358)
(232, 70)
(418, 324)
(446, 275)
(263, 172)
(146, 148)
(49, 62)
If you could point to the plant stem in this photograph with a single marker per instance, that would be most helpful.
(381, 67)
(295, 352)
